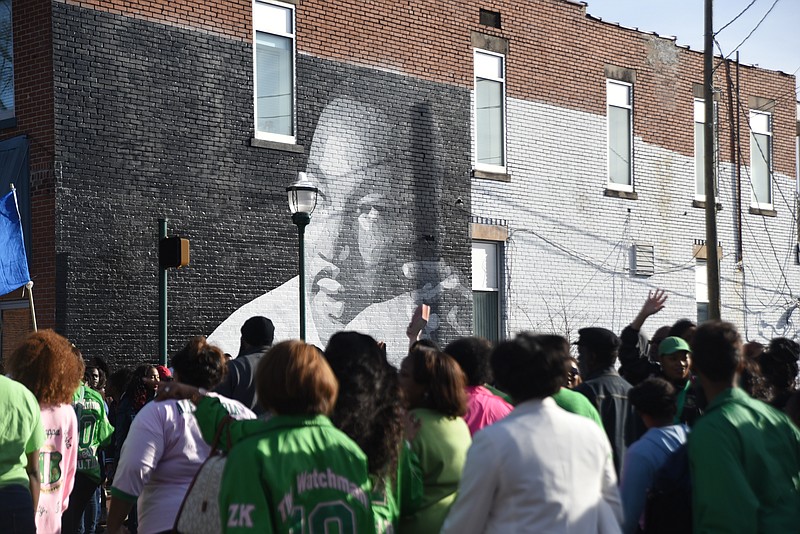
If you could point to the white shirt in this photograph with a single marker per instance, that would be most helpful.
(541, 469)
(161, 455)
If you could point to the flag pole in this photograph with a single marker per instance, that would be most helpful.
(29, 287)
(29, 283)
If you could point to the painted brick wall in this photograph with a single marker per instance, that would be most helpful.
(155, 121)
(568, 259)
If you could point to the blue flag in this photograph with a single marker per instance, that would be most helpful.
(13, 262)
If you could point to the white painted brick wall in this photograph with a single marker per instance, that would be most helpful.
(568, 257)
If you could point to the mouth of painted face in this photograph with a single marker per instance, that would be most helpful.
(327, 301)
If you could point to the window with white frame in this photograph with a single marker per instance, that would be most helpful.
(701, 290)
(761, 159)
(274, 51)
(700, 148)
(486, 289)
(6, 61)
(620, 134)
(490, 120)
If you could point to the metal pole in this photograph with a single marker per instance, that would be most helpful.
(712, 258)
(741, 192)
(302, 220)
(162, 299)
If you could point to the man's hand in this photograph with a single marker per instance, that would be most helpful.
(654, 303)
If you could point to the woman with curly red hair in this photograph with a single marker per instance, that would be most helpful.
(47, 364)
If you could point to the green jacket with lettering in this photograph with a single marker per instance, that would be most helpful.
(290, 474)
(94, 429)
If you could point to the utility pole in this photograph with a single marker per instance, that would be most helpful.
(712, 257)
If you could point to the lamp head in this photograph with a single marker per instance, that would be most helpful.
(302, 195)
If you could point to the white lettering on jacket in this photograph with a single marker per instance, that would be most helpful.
(328, 479)
(239, 515)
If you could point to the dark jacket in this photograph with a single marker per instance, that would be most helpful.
(608, 392)
(635, 364)
(239, 383)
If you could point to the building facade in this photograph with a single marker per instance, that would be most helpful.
(515, 165)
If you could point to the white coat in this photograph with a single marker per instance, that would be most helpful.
(541, 469)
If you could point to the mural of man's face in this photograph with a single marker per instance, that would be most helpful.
(351, 227)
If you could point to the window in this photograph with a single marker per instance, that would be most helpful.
(486, 290)
(274, 52)
(700, 149)
(490, 111)
(701, 290)
(620, 135)
(6, 62)
(490, 18)
(761, 159)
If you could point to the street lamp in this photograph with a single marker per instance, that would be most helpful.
(302, 201)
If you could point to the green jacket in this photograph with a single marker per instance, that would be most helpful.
(289, 474)
(745, 463)
(94, 429)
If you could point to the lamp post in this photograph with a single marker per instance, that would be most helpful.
(302, 201)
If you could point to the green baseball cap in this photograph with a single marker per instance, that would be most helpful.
(673, 344)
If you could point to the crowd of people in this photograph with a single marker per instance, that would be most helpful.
(690, 430)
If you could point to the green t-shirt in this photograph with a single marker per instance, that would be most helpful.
(94, 429)
(575, 402)
(569, 400)
(21, 431)
(441, 446)
(290, 474)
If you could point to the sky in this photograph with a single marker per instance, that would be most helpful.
(774, 45)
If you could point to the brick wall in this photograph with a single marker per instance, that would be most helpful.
(154, 119)
(568, 259)
(33, 83)
(556, 53)
(157, 122)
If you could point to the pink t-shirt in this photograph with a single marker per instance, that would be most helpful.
(484, 408)
(162, 453)
(58, 459)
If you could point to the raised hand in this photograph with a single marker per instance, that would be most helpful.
(655, 302)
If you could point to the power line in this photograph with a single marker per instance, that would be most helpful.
(736, 17)
(775, 3)
(773, 182)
